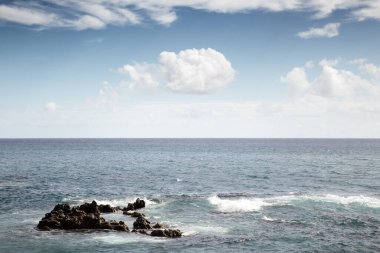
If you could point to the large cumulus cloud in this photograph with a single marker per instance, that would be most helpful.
(195, 71)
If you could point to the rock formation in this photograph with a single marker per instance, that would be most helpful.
(88, 216)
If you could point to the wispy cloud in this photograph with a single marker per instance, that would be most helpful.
(97, 14)
(327, 31)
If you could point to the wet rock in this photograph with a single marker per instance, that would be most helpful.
(157, 225)
(90, 207)
(106, 209)
(134, 214)
(62, 207)
(170, 233)
(120, 227)
(140, 231)
(139, 203)
(141, 223)
(86, 216)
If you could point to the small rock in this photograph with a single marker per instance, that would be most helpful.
(141, 223)
(157, 225)
(106, 209)
(170, 233)
(139, 203)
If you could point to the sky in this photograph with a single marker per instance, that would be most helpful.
(190, 68)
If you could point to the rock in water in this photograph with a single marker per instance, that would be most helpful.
(134, 214)
(170, 233)
(106, 209)
(139, 203)
(86, 216)
(157, 225)
(141, 223)
(90, 208)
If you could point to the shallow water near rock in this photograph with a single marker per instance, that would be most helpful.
(226, 195)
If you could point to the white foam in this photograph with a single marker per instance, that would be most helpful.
(256, 204)
(347, 200)
(268, 218)
(113, 202)
(189, 233)
(123, 238)
(179, 180)
(237, 205)
(204, 229)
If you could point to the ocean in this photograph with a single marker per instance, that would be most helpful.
(226, 195)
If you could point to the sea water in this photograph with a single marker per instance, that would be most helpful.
(226, 195)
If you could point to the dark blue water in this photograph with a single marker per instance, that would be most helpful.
(227, 195)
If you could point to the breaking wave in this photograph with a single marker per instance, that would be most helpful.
(255, 204)
(112, 202)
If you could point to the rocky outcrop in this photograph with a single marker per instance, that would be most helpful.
(107, 209)
(134, 214)
(88, 216)
(141, 223)
(170, 233)
(138, 204)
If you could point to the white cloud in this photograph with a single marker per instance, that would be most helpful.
(332, 102)
(327, 31)
(188, 71)
(28, 16)
(88, 22)
(196, 70)
(96, 14)
(297, 81)
(51, 106)
(370, 10)
(142, 76)
(332, 82)
(367, 67)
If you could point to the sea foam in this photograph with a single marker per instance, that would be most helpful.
(256, 204)
(112, 202)
(237, 205)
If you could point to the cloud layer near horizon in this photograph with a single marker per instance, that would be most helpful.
(328, 101)
(97, 14)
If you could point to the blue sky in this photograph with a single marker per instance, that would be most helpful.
(283, 68)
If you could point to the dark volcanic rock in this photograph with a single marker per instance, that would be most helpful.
(141, 231)
(157, 225)
(139, 203)
(134, 214)
(86, 216)
(171, 233)
(106, 209)
(141, 223)
(90, 208)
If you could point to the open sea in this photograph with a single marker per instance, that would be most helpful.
(226, 195)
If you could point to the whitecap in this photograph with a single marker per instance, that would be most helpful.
(237, 205)
(268, 218)
(347, 200)
(204, 229)
(256, 204)
(179, 180)
(189, 233)
(112, 202)
(123, 238)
